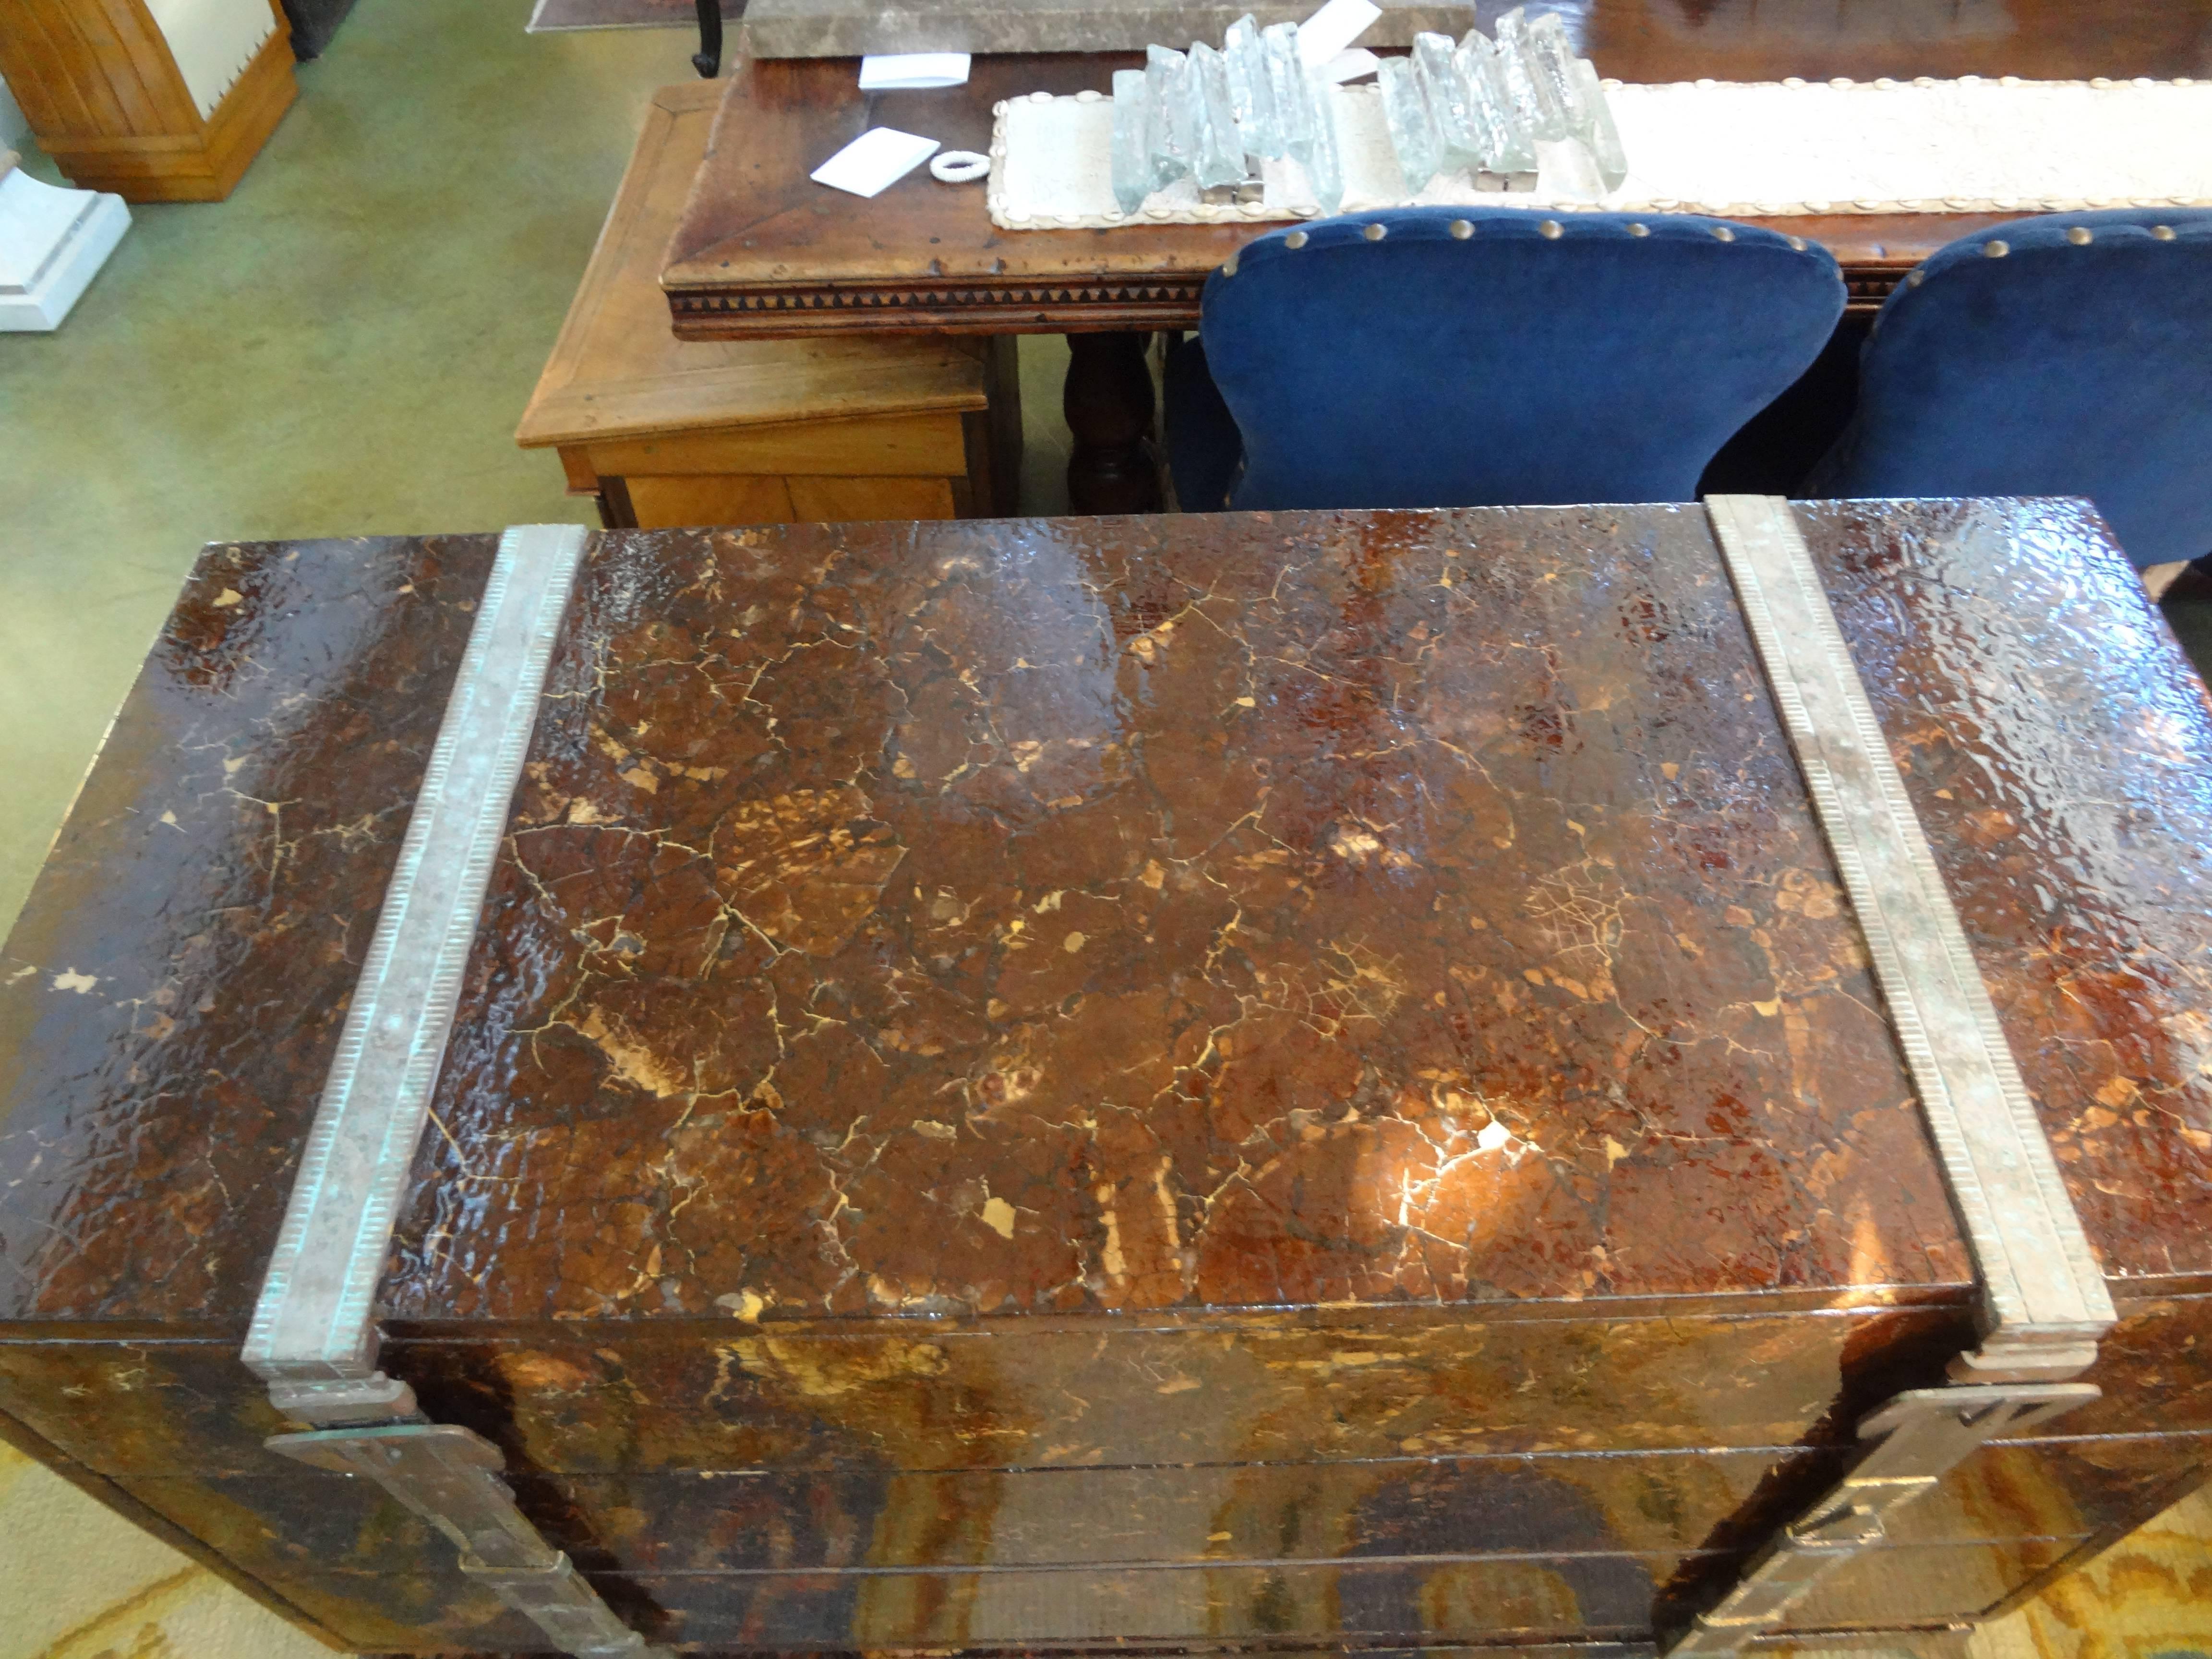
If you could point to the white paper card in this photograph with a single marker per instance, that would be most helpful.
(878, 157)
(913, 71)
(1350, 65)
(1334, 28)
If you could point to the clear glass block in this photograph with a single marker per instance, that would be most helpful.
(1598, 129)
(1302, 106)
(1535, 104)
(1133, 165)
(1462, 142)
(1550, 53)
(1165, 72)
(1251, 90)
(1569, 171)
(1511, 146)
(1406, 114)
(1326, 169)
(1217, 151)
(1279, 50)
(1301, 103)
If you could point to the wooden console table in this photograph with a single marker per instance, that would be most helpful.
(664, 432)
(762, 252)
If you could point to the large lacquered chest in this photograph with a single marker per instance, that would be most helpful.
(1283, 1081)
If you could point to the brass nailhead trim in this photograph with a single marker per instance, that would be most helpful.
(2079, 235)
(2162, 233)
(1229, 266)
(1797, 242)
(1549, 230)
(1996, 250)
(1721, 233)
(1639, 230)
(1462, 229)
(1914, 278)
(1375, 233)
(1295, 240)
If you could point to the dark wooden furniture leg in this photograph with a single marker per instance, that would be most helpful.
(1108, 400)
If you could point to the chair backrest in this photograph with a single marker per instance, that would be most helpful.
(2069, 354)
(1497, 356)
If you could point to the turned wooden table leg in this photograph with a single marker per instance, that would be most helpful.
(1108, 400)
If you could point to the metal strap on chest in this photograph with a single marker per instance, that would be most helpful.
(2042, 1302)
(313, 1336)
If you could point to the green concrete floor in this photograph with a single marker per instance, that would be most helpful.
(343, 347)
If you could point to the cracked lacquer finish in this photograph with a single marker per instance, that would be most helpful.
(2060, 752)
(1242, 1079)
(1060, 917)
(173, 989)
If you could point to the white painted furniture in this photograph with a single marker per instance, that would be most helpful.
(52, 242)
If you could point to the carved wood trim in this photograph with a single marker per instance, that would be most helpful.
(947, 308)
(1169, 300)
(1868, 286)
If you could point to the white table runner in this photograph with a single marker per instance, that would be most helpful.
(1741, 150)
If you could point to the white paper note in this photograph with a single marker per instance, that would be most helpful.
(878, 157)
(1334, 28)
(1350, 65)
(913, 71)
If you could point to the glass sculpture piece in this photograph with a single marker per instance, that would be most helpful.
(1326, 168)
(1550, 55)
(1599, 132)
(1302, 104)
(1406, 114)
(1462, 141)
(1511, 146)
(1133, 164)
(1217, 151)
(1278, 51)
(1535, 105)
(1165, 71)
(1251, 90)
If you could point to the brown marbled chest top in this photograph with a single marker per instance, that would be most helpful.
(1142, 916)
(1127, 915)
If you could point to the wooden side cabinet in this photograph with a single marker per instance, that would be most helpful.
(123, 106)
(667, 432)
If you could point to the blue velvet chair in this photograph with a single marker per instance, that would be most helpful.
(1487, 356)
(2069, 354)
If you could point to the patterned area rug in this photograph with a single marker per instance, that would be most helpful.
(551, 15)
(2149, 1596)
(76, 1581)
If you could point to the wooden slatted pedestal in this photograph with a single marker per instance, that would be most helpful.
(108, 98)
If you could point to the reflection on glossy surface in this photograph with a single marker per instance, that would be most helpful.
(1609, 1504)
(2060, 751)
(171, 994)
(1416, 908)
(957, 983)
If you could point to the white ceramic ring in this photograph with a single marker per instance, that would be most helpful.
(958, 167)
